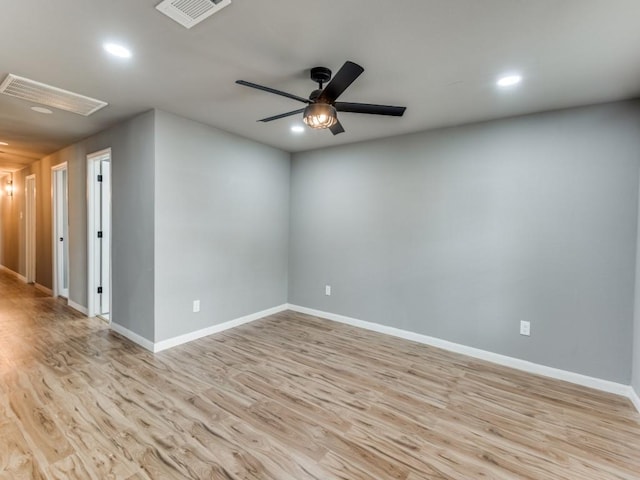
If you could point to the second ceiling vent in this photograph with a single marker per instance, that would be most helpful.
(189, 13)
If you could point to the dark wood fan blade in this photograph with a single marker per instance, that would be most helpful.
(272, 90)
(282, 115)
(340, 82)
(370, 109)
(337, 128)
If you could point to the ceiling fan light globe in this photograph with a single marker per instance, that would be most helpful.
(320, 115)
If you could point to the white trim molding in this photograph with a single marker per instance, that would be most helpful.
(134, 337)
(92, 158)
(524, 365)
(190, 337)
(77, 307)
(22, 278)
(56, 197)
(30, 227)
(205, 332)
(635, 398)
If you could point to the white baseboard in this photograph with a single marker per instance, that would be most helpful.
(78, 307)
(44, 289)
(189, 337)
(524, 365)
(635, 398)
(22, 278)
(134, 337)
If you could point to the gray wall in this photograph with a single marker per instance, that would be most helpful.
(461, 233)
(208, 210)
(222, 223)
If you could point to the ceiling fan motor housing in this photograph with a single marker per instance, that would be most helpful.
(320, 75)
(314, 95)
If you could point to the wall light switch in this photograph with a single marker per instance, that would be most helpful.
(327, 290)
(196, 306)
(525, 328)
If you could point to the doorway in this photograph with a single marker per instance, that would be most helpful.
(99, 233)
(30, 228)
(60, 204)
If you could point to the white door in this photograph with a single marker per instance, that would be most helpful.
(99, 233)
(30, 228)
(61, 231)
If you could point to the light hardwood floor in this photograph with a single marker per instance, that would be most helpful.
(288, 397)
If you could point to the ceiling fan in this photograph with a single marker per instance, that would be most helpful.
(322, 107)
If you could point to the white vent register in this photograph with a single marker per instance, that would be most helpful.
(191, 12)
(44, 94)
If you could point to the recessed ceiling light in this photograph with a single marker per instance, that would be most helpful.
(117, 50)
(4, 143)
(509, 80)
(297, 129)
(46, 111)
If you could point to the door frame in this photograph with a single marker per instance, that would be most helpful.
(55, 205)
(92, 231)
(30, 224)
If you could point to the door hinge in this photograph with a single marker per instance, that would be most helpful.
(99, 178)
(99, 234)
(99, 289)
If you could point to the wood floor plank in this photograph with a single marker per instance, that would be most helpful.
(71, 468)
(17, 461)
(289, 397)
(37, 424)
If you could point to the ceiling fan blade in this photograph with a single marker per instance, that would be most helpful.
(282, 115)
(340, 82)
(272, 90)
(337, 128)
(370, 109)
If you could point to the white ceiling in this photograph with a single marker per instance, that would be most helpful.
(440, 58)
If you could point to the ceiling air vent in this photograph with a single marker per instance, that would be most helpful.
(191, 12)
(44, 94)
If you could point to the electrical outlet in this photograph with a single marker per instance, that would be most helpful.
(525, 328)
(196, 306)
(327, 290)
